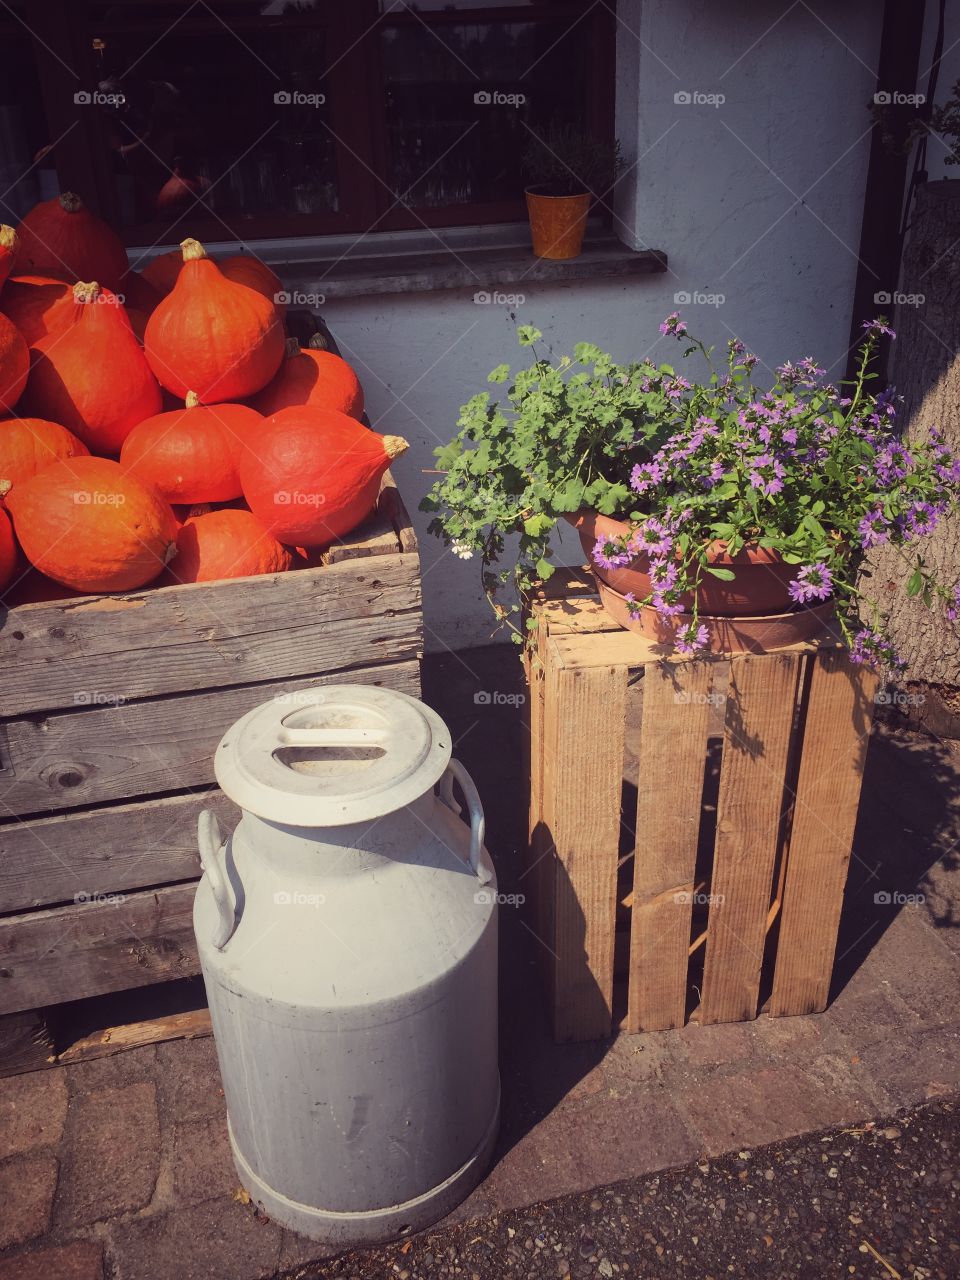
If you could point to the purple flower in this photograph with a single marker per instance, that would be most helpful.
(813, 582)
(644, 475)
(693, 638)
(892, 463)
(874, 649)
(767, 474)
(953, 606)
(878, 326)
(790, 435)
(609, 554)
(714, 476)
(920, 520)
(674, 325)
(675, 387)
(654, 537)
(874, 528)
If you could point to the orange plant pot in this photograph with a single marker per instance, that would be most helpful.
(557, 223)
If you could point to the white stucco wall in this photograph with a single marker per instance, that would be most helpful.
(758, 199)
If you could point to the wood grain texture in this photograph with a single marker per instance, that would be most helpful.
(25, 1043)
(584, 714)
(839, 714)
(537, 881)
(759, 715)
(131, 1035)
(71, 759)
(94, 650)
(106, 850)
(64, 953)
(673, 738)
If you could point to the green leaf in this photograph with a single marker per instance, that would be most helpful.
(538, 524)
(500, 374)
(915, 583)
(545, 569)
(727, 575)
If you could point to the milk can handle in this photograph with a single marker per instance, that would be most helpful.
(456, 771)
(211, 845)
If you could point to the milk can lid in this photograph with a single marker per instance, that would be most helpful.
(325, 757)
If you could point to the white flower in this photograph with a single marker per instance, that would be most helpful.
(462, 550)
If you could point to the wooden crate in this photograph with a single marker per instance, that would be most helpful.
(112, 708)
(733, 846)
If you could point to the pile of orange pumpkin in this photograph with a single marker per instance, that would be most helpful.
(158, 426)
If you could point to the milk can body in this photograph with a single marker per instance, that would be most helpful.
(351, 972)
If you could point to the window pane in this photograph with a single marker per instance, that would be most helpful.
(461, 99)
(226, 105)
(24, 179)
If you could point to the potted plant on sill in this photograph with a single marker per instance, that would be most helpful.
(566, 168)
(718, 497)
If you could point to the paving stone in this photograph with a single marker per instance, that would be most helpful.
(766, 1104)
(642, 1059)
(189, 1079)
(203, 1163)
(920, 967)
(27, 1187)
(113, 1071)
(864, 1013)
(82, 1260)
(33, 1108)
(114, 1155)
(218, 1240)
(912, 1069)
(716, 1045)
(787, 1039)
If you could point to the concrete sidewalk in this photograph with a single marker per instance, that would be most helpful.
(119, 1167)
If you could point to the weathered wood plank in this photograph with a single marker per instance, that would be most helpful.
(109, 850)
(25, 1043)
(584, 715)
(131, 1035)
(673, 740)
(759, 715)
(70, 759)
(97, 649)
(64, 953)
(537, 881)
(839, 716)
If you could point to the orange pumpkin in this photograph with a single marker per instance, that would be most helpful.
(191, 454)
(244, 268)
(8, 250)
(312, 376)
(315, 474)
(14, 364)
(87, 525)
(209, 335)
(63, 239)
(27, 445)
(226, 544)
(93, 377)
(37, 305)
(161, 272)
(8, 549)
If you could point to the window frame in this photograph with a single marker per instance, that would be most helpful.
(62, 42)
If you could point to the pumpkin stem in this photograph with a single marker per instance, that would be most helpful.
(8, 237)
(5, 487)
(191, 400)
(86, 292)
(318, 343)
(70, 202)
(193, 250)
(394, 446)
(293, 348)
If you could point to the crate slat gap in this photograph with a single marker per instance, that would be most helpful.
(794, 726)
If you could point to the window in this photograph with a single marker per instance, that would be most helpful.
(265, 118)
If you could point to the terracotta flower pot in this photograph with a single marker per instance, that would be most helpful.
(761, 585)
(557, 223)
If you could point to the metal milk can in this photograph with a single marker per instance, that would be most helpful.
(348, 938)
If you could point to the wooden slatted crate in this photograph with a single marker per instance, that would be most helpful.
(112, 707)
(690, 823)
